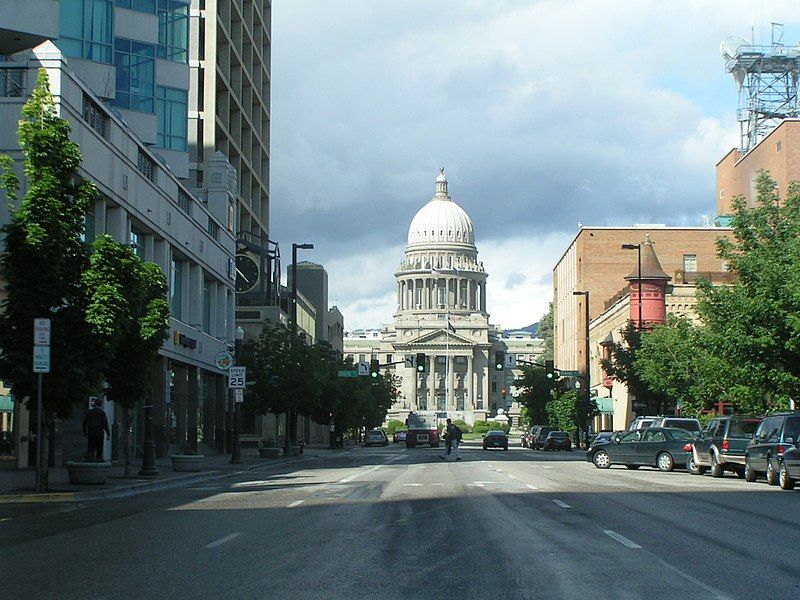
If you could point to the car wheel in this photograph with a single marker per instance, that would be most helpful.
(665, 462)
(632, 467)
(601, 459)
(772, 476)
(787, 483)
(749, 474)
(505, 447)
(739, 472)
(693, 467)
(716, 468)
(485, 448)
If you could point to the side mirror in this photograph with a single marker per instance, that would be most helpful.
(617, 439)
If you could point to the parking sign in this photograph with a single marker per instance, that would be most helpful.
(237, 377)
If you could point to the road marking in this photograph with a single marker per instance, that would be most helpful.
(4, 520)
(562, 504)
(412, 485)
(476, 484)
(531, 487)
(295, 503)
(221, 541)
(350, 478)
(621, 539)
(513, 476)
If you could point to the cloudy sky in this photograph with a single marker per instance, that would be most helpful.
(545, 114)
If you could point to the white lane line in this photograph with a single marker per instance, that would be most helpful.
(350, 478)
(561, 503)
(621, 539)
(221, 541)
(295, 503)
(512, 476)
(412, 485)
(531, 487)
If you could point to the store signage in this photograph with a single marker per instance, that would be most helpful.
(184, 340)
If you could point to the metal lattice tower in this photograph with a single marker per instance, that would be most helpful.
(767, 78)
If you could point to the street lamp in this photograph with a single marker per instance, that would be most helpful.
(293, 316)
(236, 451)
(586, 363)
(638, 248)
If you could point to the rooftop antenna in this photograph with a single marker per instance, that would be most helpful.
(767, 80)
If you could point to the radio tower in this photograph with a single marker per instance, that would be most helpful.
(767, 80)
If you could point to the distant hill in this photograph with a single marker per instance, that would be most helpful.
(534, 329)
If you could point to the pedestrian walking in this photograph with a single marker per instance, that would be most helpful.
(452, 438)
(95, 427)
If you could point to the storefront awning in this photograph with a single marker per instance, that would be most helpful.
(605, 405)
(6, 404)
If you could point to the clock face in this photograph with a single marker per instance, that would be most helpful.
(246, 273)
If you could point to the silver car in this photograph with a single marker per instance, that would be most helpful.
(376, 437)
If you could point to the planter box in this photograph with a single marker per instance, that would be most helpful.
(270, 452)
(88, 472)
(187, 463)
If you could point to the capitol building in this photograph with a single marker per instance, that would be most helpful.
(442, 311)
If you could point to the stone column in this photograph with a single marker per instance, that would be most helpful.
(192, 400)
(458, 293)
(432, 383)
(469, 399)
(451, 391)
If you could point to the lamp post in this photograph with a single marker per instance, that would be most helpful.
(236, 451)
(293, 317)
(587, 364)
(638, 248)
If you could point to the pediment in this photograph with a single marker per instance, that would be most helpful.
(439, 338)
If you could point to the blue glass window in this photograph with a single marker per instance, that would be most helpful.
(136, 66)
(173, 30)
(86, 29)
(172, 109)
(148, 6)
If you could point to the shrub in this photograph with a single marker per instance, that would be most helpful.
(462, 425)
(393, 426)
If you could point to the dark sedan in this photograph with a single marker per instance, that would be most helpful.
(789, 465)
(495, 439)
(661, 447)
(557, 440)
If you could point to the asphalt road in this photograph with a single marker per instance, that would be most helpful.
(397, 523)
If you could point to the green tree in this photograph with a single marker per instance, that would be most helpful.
(534, 392)
(562, 411)
(621, 366)
(755, 323)
(546, 332)
(44, 260)
(127, 309)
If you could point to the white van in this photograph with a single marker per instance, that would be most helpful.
(641, 423)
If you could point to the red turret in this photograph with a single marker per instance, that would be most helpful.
(653, 293)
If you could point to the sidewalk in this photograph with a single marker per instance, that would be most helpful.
(17, 485)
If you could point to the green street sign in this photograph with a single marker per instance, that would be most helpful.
(564, 373)
(348, 373)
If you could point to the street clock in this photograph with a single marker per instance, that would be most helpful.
(246, 273)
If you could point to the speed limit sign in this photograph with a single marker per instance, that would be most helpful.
(237, 378)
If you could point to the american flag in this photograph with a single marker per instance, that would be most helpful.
(435, 273)
(450, 323)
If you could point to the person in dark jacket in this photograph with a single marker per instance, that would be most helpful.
(95, 426)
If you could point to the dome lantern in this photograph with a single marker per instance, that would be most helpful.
(441, 220)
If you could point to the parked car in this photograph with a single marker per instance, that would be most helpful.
(764, 454)
(721, 446)
(641, 423)
(539, 436)
(495, 439)
(557, 440)
(602, 437)
(399, 436)
(686, 423)
(789, 467)
(661, 447)
(376, 437)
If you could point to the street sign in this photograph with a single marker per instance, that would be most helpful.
(238, 395)
(363, 368)
(441, 415)
(564, 373)
(223, 360)
(348, 373)
(41, 332)
(237, 377)
(41, 359)
(410, 361)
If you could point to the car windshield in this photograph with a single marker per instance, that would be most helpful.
(743, 429)
(680, 434)
(689, 424)
(557, 434)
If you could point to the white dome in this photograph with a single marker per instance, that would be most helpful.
(441, 220)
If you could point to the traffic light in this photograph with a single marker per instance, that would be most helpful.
(374, 368)
(422, 362)
(499, 360)
(549, 368)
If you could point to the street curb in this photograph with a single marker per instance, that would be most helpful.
(144, 487)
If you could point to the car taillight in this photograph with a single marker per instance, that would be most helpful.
(781, 448)
(687, 447)
(725, 444)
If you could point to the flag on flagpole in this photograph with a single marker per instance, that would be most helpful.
(435, 273)
(450, 325)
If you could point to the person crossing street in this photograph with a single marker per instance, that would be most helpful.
(452, 438)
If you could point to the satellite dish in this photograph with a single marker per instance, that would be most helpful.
(729, 47)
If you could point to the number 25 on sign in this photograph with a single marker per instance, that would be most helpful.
(237, 378)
